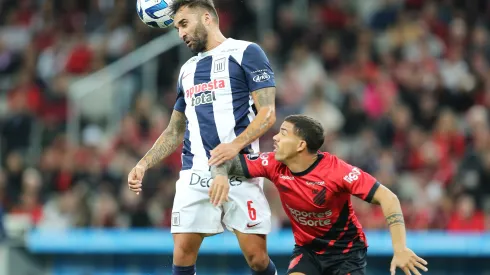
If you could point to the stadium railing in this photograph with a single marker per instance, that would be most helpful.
(426, 243)
(149, 252)
(103, 83)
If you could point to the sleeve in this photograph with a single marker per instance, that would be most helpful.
(356, 182)
(258, 165)
(258, 71)
(180, 101)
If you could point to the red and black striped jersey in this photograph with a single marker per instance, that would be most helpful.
(318, 200)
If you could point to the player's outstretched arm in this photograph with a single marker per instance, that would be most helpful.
(403, 258)
(165, 145)
(218, 192)
(168, 141)
(264, 100)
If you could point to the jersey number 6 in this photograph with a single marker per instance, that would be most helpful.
(252, 213)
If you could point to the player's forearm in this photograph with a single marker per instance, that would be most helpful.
(230, 167)
(394, 217)
(265, 119)
(167, 143)
(392, 211)
(264, 100)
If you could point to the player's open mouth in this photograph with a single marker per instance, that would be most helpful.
(275, 148)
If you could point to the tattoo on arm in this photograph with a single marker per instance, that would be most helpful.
(264, 100)
(395, 218)
(168, 141)
(231, 167)
(264, 97)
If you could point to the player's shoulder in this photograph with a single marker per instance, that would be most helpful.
(190, 61)
(242, 46)
(187, 66)
(333, 164)
(339, 170)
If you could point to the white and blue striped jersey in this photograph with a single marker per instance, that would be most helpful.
(214, 91)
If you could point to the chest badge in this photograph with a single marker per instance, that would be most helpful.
(219, 65)
(320, 197)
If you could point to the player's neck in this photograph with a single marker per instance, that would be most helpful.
(215, 39)
(301, 162)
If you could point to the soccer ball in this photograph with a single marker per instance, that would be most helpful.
(155, 13)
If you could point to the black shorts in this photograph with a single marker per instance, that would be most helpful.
(308, 262)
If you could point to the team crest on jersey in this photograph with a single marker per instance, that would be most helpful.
(320, 195)
(219, 65)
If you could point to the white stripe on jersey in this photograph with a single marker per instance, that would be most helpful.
(197, 148)
(223, 106)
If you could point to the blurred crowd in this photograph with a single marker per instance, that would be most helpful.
(402, 88)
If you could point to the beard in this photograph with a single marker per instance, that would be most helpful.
(199, 39)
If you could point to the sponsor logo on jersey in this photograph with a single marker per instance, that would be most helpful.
(310, 218)
(265, 159)
(260, 76)
(253, 156)
(284, 177)
(353, 175)
(229, 50)
(315, 183)
(205, 182)
(205, 87)
(203, 98)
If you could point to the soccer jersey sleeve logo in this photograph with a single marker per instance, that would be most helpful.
(353, 175)
(263, 157)
(260, 76)
(253, 156)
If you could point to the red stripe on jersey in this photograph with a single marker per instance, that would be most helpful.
(295, 261)
(349, 246)
(332, 242)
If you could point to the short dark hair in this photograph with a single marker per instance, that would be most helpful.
(309, 129)
(204, 4)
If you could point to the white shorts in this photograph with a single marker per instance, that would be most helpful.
(247, 211)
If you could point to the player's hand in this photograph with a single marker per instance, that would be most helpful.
(135, 178)
(222, 153)
(407, 261)
(218, 192)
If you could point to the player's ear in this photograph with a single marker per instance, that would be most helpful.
(207, 18)
(301, 146)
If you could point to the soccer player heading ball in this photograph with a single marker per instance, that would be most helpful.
(315, 189)
(225, 102)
